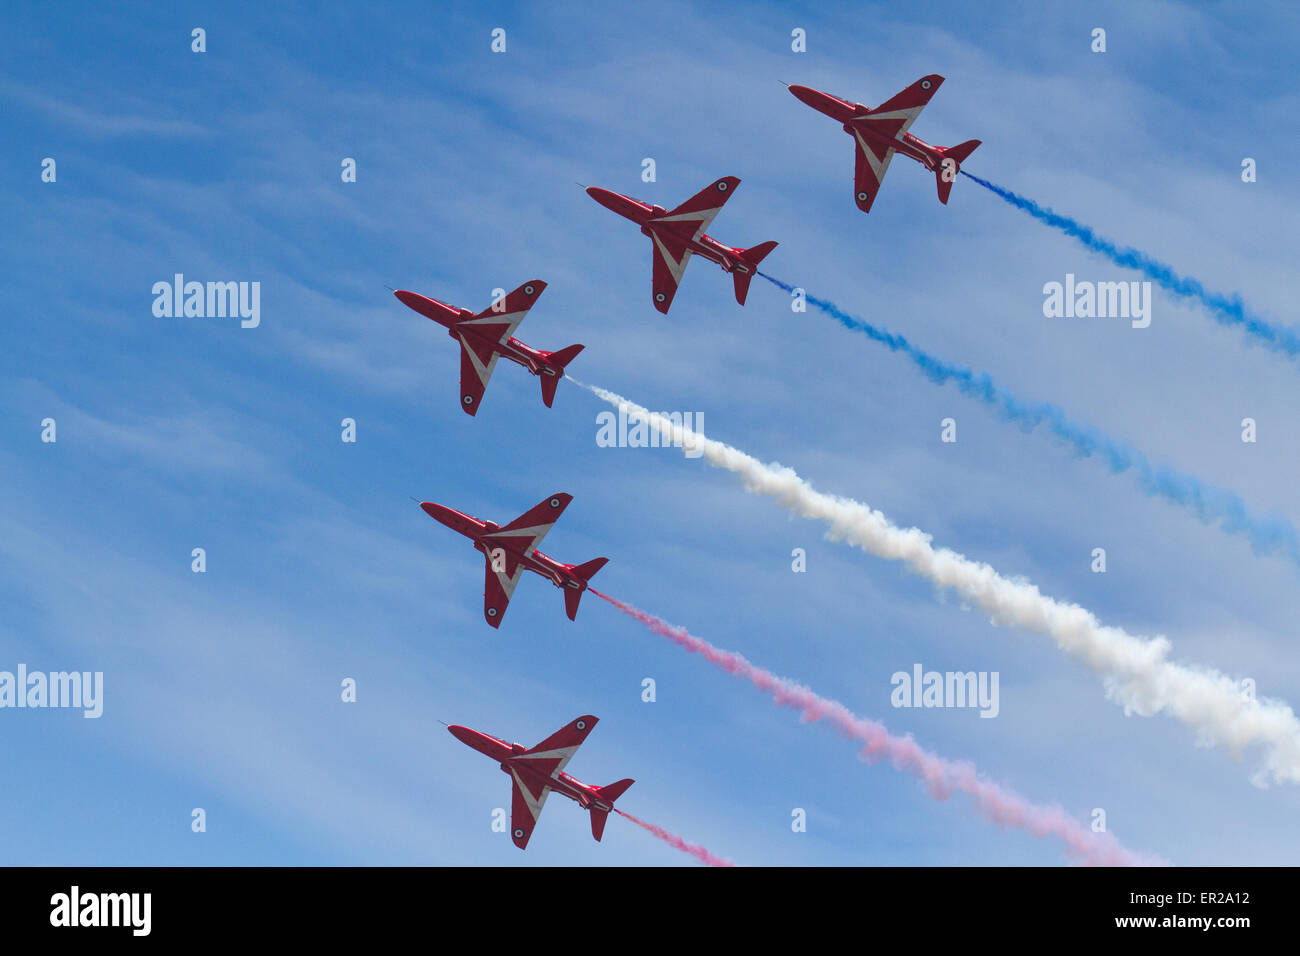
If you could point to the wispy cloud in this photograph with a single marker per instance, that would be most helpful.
(96, 124)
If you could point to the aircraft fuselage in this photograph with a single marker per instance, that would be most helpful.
(908, 145)
(516, 351)
(503, 753)
(644, 215)
(911, 146)
(559, 574)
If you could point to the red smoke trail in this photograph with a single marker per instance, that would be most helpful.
(941, 776)
(698, 852)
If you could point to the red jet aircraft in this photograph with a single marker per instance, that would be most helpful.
(535, 772)
(677, 233)
(512, 549)
(881, 132)
(488, 335)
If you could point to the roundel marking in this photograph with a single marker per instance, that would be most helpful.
(519, 833)
(722, 185)
(581, 725)
(926, 84)
(555, 502)
(468, 399)
(491, 612)
(862, 197)
(528, 290)
(659, 297)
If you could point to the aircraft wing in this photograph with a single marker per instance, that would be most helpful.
(692, 218)
(869, 170)
(890, 119)
(670, 258)
(500, 319)
(676, 229)
(525, 807)
(550, 758)
(553, 754)
(526, 532)
(503, 573)
(895, 116)
(477, 362)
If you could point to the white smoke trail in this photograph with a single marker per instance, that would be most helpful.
(1137, 672)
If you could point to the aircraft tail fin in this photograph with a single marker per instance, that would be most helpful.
(609, 794)
(573, 595)
(946, 175)
(559, 359)
(752, 256)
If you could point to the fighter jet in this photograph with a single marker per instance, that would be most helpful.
(881, 132)
(512, 549)
(677, 233)
(488, 335)
(535, 772)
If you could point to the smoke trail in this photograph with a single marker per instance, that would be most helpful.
(1137, 672)
(942, 777)
(1226, 310)
(1269, 534)
(673, 840)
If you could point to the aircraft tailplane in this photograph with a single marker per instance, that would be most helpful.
(550, 382)
(573, 595)
(752, 256)
(609, 794)
(946, 177)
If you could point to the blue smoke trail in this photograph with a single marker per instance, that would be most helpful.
(1270, 534)
(1226, 310)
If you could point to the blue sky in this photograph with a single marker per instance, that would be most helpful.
(222, 689)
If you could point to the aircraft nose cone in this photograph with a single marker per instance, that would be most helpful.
(806, 94)
(464, 735)
(613, 201)
(441, 514)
